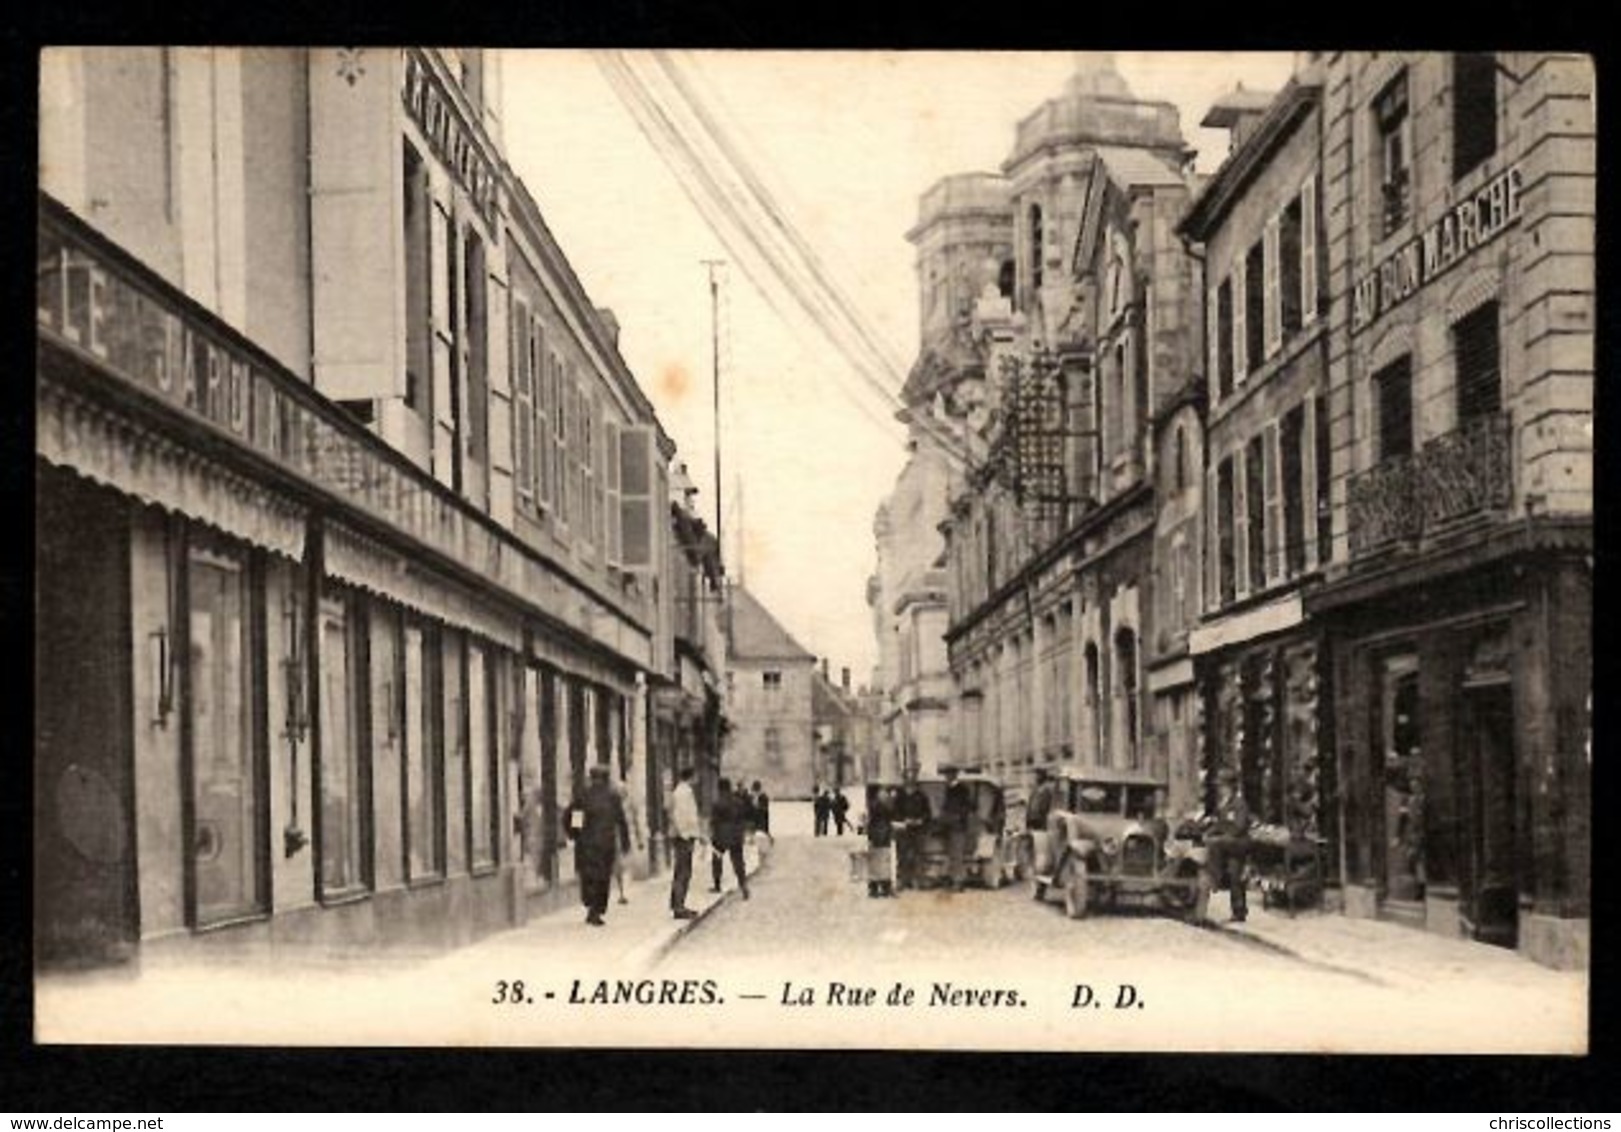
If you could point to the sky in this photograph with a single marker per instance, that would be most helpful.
(848, 141)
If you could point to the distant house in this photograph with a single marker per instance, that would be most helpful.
(846, 723)
(769, 680)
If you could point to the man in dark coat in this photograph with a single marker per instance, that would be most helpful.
(912, 816)
(1041, 801)
(956, 812)
(841, 807)
(728, 819)
(597, 826)
(820, 806)
(1226, 841)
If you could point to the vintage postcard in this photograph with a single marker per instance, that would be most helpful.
(1073, 551)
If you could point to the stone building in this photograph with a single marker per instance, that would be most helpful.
(1458, 204)
(771, 736)
(1051, 536)
(1258, 223)
(348, 510)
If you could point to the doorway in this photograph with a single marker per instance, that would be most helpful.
(1399, 733)
(1490, 904)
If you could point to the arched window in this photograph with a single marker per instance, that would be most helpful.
(1125, 660)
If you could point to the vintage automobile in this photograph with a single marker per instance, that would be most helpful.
(989, 859)
(1105, 844)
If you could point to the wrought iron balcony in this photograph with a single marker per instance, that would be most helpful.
(1464, 473)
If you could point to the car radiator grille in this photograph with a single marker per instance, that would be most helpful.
(1137, 857)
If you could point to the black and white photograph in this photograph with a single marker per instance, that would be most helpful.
(924, 550)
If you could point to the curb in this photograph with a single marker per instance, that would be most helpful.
(647, 956)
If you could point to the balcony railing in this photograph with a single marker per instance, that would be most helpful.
(1464, 473)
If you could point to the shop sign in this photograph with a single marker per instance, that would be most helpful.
(148, 340)
(1468, 225)
(451, 138)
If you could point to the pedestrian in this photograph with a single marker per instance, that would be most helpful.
(841, 807)
(727, 821)
(1041, 801)
(1227, 843)
(820, 807)
(880, 844)
(956, 811)
(596, 824)
(633, 818)
(685, 831)
(762, 813)
(913, 814)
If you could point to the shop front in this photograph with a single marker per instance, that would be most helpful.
(1461, 706)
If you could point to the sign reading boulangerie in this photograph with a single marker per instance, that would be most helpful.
(1469, 224)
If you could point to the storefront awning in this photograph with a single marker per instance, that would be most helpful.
(104, 446)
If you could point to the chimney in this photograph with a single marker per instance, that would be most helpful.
(844, 679)
(1239, 111)
(610, 324)
(824, 668)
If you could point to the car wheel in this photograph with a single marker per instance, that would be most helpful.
(1075, 894)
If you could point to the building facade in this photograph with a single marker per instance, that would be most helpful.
(348, 511)
(1052, 539)
(1255, 653)
(770, 702)
(1458, 196)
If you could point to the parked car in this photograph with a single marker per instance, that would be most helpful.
(1106, 844)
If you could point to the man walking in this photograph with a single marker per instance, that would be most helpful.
(820, 807)
(841, 808)
(955, 812)
(597, 826)
(762, 814)
(685, 830)
(912, 816)
(1041, 801)
(727, 820)
(1227, 843)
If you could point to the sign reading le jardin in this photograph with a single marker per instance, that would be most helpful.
(1469, 224)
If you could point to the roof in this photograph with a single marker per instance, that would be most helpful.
(754, 634)
(1130, 167)
(1210, 207)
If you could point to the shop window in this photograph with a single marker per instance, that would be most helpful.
(418, 273)
(483, 772)
(1255, 307)
(1291, 444)
(1226, 545)
(1290, 267)
(1224, 338)
(1475, 350)
(1255, 511)
(342, 786)
(1402, 764)
(1393, 154)
(1394, 387)
(424, 753)
(1474, 110)
(229, 815)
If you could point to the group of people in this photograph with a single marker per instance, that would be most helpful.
(828, 805)
(600, 822)
(898, 821)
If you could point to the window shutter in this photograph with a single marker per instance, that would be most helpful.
(1212, 534)
(358, 333)
(636, 496)
(1241, 364)
(1308, 251)
(1212, 330)
(523, 391)
(542, 471)
(1241, 522)
(611, 472)
(1271, 294)
(1308, 480)
(1272, 464)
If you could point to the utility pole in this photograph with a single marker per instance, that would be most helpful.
(714, 350)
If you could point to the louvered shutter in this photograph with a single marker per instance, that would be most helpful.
(611, 472)
(1241, 523)
(1308, 251)
(1308, 480)
(636, 496)
(523, 392)
(1241, 365)
(1212, 331)
(1271, 294)
(1272, 464)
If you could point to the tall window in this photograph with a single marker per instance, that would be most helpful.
(1325, 514)
(1255, 307)
(1394, 387)
(475, 323)
(418, 273)
(1226, 548)
(1094, 705)
(1125, 659)
(1291, 445)
(227, 824)
(1289, 266)
(1255, 511)
(342, 786)
(1474, 110)
(424, 753)
(1394, 156)
(1035, 246)
(1475, 348)
(1224, 338)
